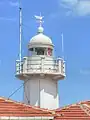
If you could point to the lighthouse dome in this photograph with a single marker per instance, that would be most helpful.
(40, 40)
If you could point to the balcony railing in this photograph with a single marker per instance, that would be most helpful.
(40, 66)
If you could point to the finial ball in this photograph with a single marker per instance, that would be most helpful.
(40, 30)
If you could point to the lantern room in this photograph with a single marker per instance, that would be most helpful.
(40, 44)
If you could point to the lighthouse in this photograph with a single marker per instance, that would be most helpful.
(41, 70)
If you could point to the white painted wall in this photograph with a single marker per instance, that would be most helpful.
(41, 92)
(42, 64)
(38, 91)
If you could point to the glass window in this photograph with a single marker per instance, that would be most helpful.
(40, 51)
(31, 49)
(49, 51)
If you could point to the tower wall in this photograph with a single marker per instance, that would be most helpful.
(41, 92)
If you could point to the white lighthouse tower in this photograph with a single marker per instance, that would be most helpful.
(40, 71)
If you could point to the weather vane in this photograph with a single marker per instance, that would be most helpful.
(39, 19)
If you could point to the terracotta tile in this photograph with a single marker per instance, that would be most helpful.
(11, 108)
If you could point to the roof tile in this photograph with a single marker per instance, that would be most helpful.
(12, 108)
(74, 112)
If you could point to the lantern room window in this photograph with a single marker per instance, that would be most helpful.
(49, 52)
(39, 51)
(31, 49)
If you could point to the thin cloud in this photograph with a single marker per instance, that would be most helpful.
(76, 7)
(69, 2)
(9, 2)
(7, 19)
(14, 4)
(85, 72)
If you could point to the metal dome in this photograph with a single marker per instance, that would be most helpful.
(40, 40)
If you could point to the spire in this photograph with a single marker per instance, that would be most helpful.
(40, 21)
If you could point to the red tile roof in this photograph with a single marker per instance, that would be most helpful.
(79, 111)
(16, 109)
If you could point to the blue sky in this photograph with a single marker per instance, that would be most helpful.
(72, 17)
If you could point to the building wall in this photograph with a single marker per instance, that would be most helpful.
(39, 64)
(41, 92)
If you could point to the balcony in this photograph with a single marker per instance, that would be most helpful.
(40, 66)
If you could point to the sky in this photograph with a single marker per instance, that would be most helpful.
(70, 17)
